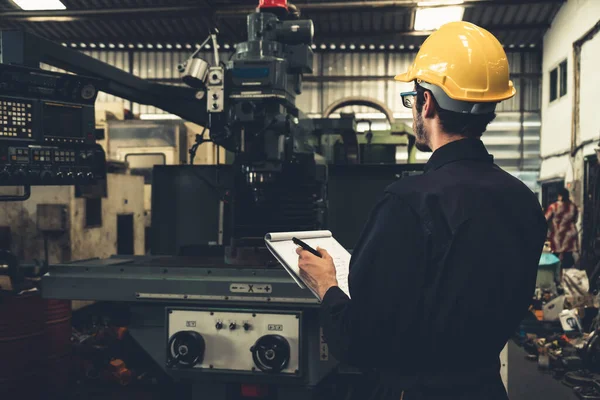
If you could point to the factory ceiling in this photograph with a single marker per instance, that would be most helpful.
(339, 24)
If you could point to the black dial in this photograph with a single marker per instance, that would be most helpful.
(20, 173)
(46, 175)
(186, 349)
(232, 326)
(271, 353)
(246, 326)
(219, 325)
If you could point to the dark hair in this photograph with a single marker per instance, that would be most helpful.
(453, 123)
(564, 193)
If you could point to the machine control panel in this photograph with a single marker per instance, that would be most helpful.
(234, 341)
(47, 127)
(51, 165)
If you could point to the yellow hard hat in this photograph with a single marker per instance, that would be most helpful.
(467, 62)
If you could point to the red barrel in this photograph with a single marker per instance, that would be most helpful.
(57, 335)
(34, 345)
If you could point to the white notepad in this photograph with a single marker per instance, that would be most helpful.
(284, 250)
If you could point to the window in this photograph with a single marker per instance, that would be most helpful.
(142, 164)
(558, 81)
(553, 84)
(93, 212)
(563, 78)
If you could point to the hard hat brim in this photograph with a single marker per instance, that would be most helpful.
(405, 77)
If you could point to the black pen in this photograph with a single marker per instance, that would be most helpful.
(305, 246)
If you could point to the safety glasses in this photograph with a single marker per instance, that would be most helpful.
(408, 98)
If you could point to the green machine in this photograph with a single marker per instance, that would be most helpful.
(339, 141)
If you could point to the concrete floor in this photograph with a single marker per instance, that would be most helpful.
(526, 382)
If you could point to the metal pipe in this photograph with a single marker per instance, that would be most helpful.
(577, 46)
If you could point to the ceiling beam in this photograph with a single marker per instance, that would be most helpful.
(107, 13)
(310, 6)
(167, 11)
(383, 36)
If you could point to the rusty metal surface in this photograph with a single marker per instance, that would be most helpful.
(52, 217)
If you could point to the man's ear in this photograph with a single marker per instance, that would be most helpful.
(428, 105)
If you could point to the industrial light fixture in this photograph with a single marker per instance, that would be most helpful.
(39, 5)
(434, 3)
(432, 16)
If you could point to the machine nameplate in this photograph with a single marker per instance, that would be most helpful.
(256, 96)
(169, 296)
(275, 327)
(250, 288)
(323, 346)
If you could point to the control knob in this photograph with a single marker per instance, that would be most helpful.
(5, 174)
(232, 326)
(20, 174)
(89, 175)
(60, 175)
(246, 326)
(69, 175)
(186, 349)
(219, 325)
(271, 353)
(80, 176)
(46, 175)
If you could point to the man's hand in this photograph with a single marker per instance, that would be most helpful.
(320, 272)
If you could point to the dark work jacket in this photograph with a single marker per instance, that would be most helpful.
(443, 273)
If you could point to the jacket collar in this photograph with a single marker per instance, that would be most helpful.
(464, 149)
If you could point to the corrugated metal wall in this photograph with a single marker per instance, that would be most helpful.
(513, 137)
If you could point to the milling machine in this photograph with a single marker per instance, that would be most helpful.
(211, 305)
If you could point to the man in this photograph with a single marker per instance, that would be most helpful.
(446, 265)
(562, 216)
